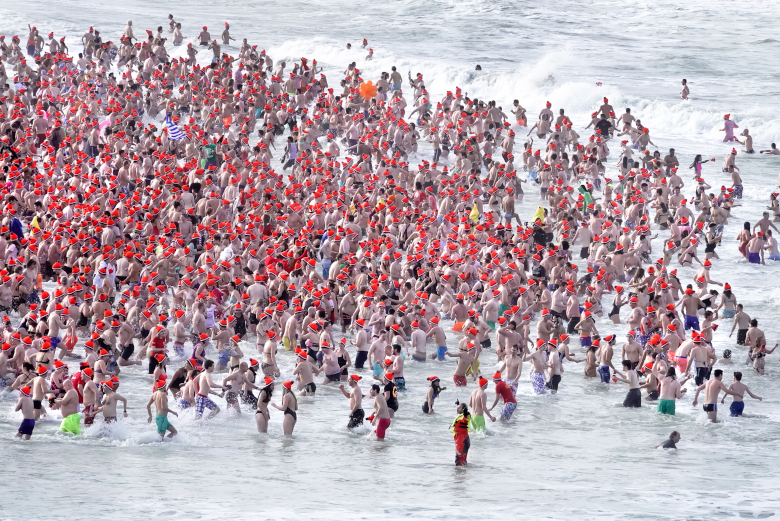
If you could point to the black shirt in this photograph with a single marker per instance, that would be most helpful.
(604, 126)
(392, 402)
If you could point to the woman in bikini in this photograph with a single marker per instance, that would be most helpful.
(617, 303)
(758, 355)
(24, 379)
(263, 399)
(289, 406)
(744, 238)
(697, 164)
(774, 206)
(344, 360)
(662, 216)
(728, 302)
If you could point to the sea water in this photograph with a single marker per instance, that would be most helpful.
(576, 455)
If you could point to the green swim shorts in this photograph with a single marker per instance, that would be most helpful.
(162, 423)
(666, 407)
(72, 424)
(478, 422)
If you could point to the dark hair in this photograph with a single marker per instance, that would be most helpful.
(209, 363)
(376, 388)
(671, 372)
(718, 372)
(269, 391)
(627, 364)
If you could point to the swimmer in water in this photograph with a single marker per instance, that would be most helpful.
(738, 390)
(728, 128)
(726, 360)
(478, 402)
(712, 389)
(504, 392)
(634, 396)
(671, 442)
(202, 400)
(671, 389)
(747, 143)
(433, 392)
(262, 416)
(289, 406)
(160, 400)
(355, 396)
(25, 404)
(381, 416)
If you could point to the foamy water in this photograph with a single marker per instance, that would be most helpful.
(577, 455)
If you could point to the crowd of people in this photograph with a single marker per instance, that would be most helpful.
(202, 221)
